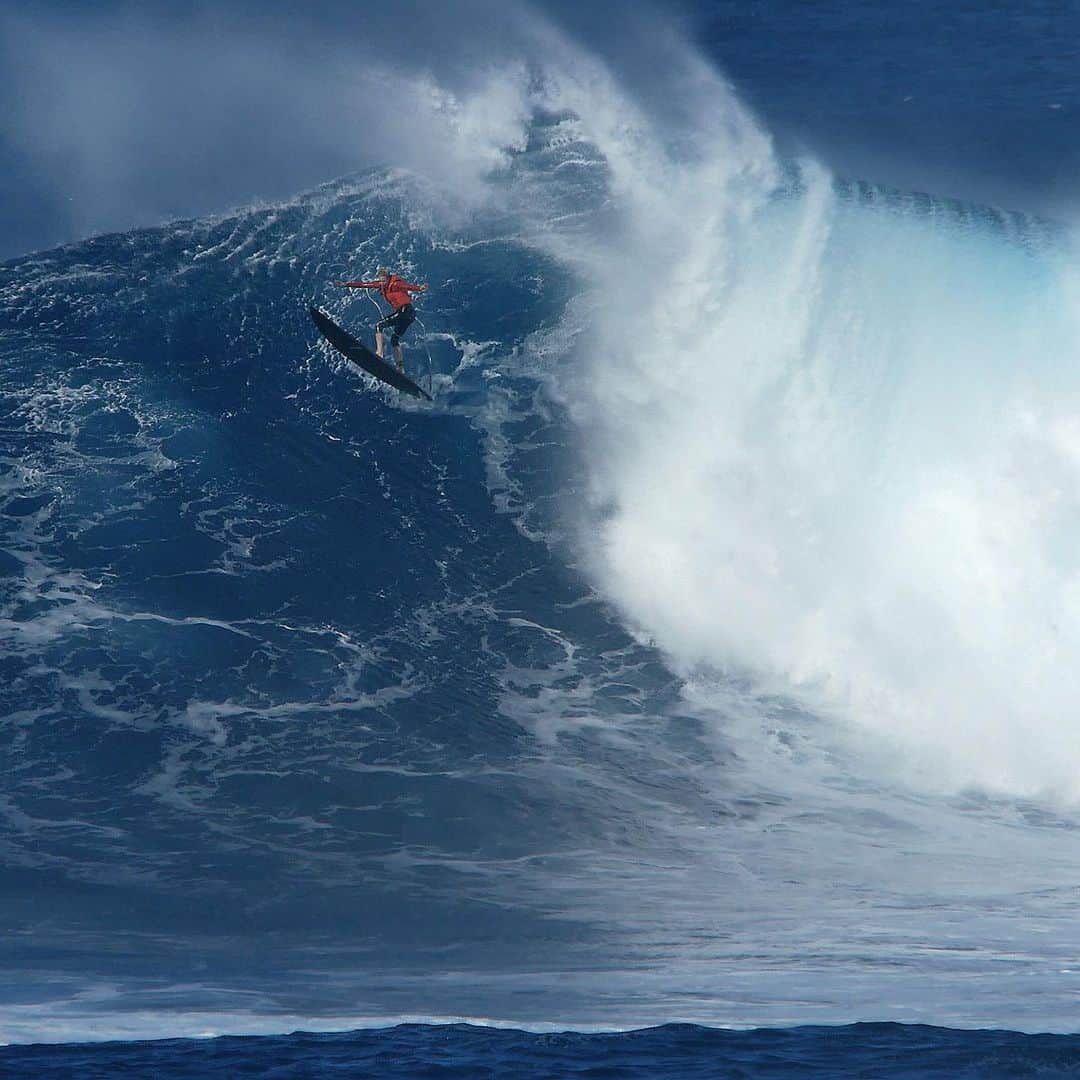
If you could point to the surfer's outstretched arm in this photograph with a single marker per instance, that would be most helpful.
(408, 286)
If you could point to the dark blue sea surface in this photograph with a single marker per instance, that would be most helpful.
(879, 1051)
(971, 99)
(702, 656)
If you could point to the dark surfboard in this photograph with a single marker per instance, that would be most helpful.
(363, 357)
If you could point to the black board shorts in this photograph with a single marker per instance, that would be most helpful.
(398, 321)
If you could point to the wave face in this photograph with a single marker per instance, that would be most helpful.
(702, 654)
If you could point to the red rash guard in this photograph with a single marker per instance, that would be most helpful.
(395, 290)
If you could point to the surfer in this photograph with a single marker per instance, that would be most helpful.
(396, 291)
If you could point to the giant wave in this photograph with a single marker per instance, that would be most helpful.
(701, 655)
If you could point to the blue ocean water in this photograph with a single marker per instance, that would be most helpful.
(889, 1051)
(702, 657)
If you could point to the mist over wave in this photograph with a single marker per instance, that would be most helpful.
(831, 442)
(836, 446)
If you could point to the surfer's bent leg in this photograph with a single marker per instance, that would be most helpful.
(380, 326)
(402, 320)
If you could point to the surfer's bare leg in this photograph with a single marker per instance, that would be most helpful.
(379, 343)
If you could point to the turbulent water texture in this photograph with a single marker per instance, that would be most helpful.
(701, 654)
